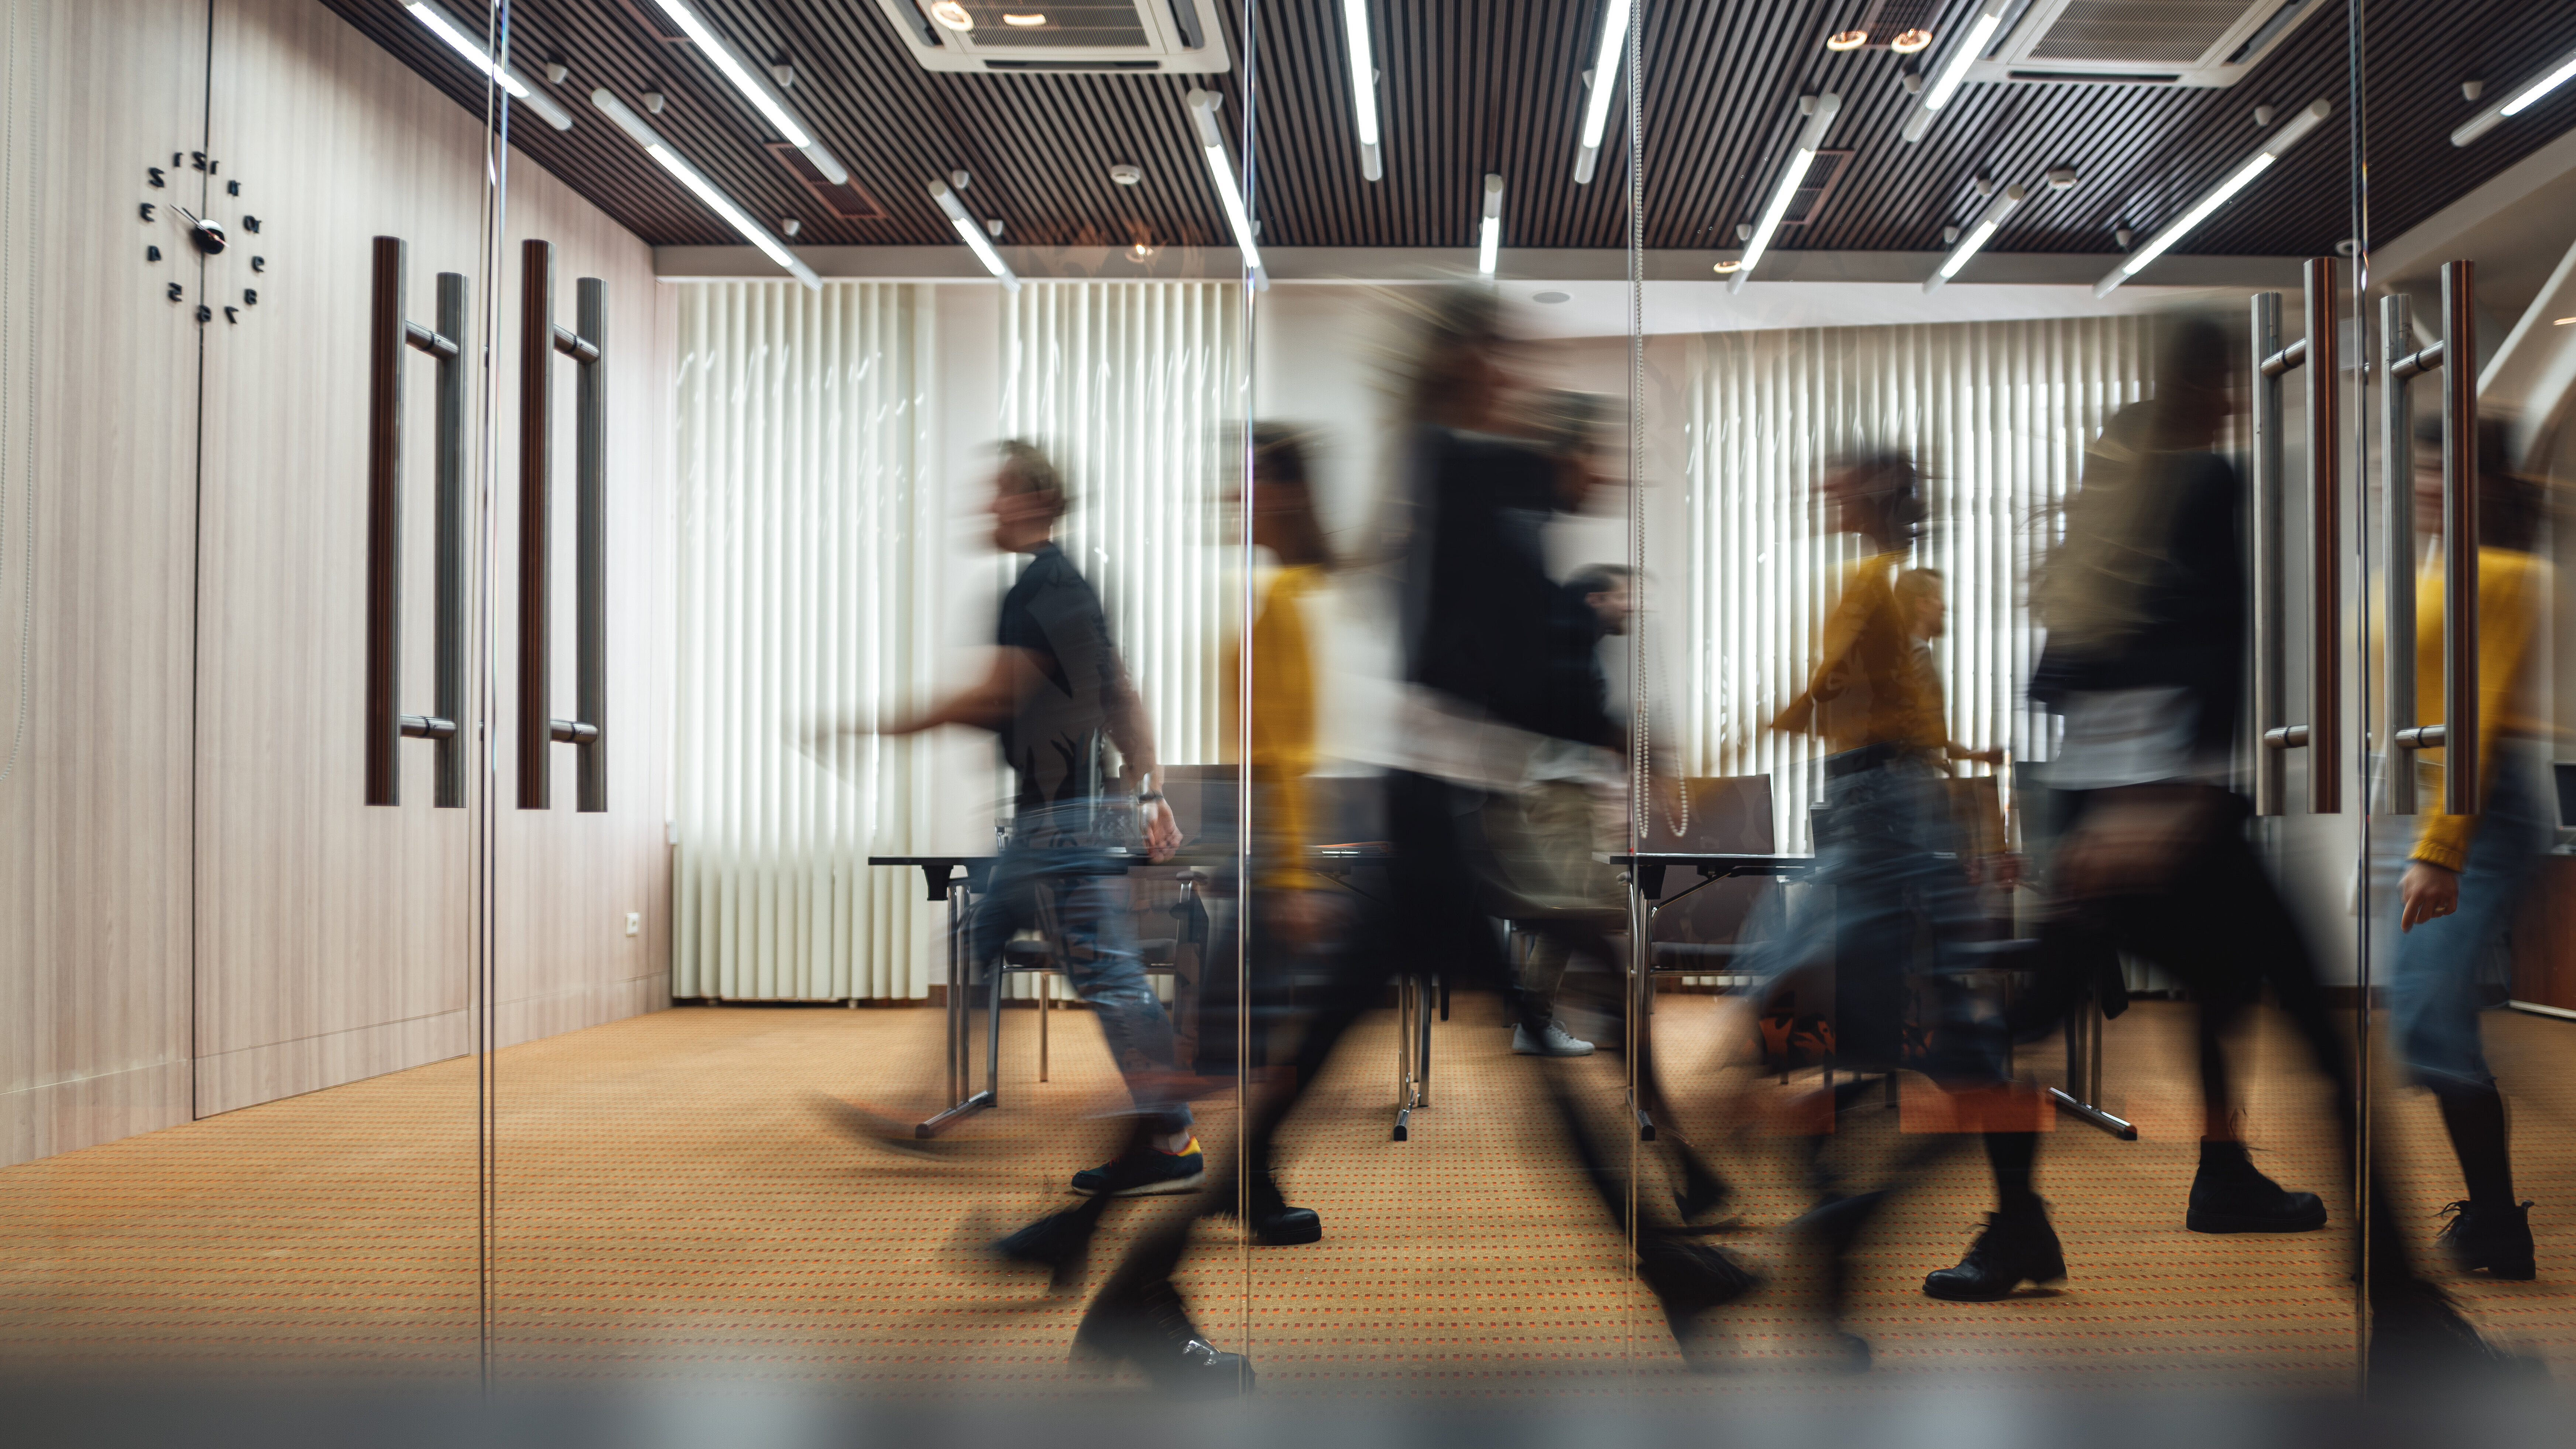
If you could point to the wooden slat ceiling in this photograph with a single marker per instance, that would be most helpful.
(1471, 86)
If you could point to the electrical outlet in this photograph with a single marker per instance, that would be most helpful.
(635, 923)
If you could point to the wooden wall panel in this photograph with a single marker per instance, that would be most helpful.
(98, 379)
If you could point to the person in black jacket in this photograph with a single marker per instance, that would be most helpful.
(2144, 602)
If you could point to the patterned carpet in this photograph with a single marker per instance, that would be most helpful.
(670, 1205)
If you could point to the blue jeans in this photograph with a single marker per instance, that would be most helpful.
(2435, 971)
(1052, 850)
(1888, 863)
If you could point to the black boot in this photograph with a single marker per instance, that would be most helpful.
(2229, 1196)
(2419, 1341)
(1688, 1279)
(1833, 1226)
(1151, 1328)
(1277, 1225)
(2497, 1239)
(1058, 1242)
(2017, 1246)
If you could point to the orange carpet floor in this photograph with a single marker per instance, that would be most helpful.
(668, 1204)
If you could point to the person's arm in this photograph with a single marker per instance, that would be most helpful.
(1133, 734)
(2508, 610)
(985, 704)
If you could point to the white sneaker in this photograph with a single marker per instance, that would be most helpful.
(1556, 1042)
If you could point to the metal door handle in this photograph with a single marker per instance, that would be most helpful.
(540, 339)
(2455, 357)
(386, 725)
(2322, 735)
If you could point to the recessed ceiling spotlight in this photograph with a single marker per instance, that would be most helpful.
(1023, 21)
(1847, 40)
(1552, 298)
(2263, 115)
(952, 15)
(2563, 321)
(2061, 177)
(2123, 236)
(1142, 252)
(1127, 173)
(1909, 41)
(1727, 268)
(2471, 90)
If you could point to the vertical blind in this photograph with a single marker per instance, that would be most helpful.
(814, 551)
(1996, 414)
(1136, 390)
(808, 530)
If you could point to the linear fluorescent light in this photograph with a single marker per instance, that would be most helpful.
(754, 89)
(1811, 139)
(719, 203)
(1489, 232)
(437, 21)
(1605, 80)
(1363, 86)
(2516, 103)
(1220, 166)
(973, 233)
(1955, 69)
(1977, 237)
(2282, 140)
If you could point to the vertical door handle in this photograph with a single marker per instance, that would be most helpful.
(389, 333)
(2457, 735)
(2322, 735)
(2460, 476)
(2325, 546)
(2397, 501)
(539, 340)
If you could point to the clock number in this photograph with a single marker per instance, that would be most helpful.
(250, 223)
(176, 159)
(232, 315)
(177, 292)
(232, 188)
(147, 211)
(250, 296)
(205, 313)
(157, 182)
(151, 254)
(197, 160)
(213, 166)
(259, 264)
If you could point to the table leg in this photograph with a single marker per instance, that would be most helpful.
(2084, 1074)
(960, 1068)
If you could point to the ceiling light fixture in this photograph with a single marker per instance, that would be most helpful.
(1606, 58)
(1023, 21)
(2563, 321)
(1909, 41)
(2282, 140)
(1724, 268)
(973, 234)
(1954, 70)
(1489, 231)
(1811, 138)
(1978, 235)
(2516, 101)
(1847, 40)
(719, 203)
(1355, 30)
(952, 15)
(437, 21)
(759, 92)
(1220, 167)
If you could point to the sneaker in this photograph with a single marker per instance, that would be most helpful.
(1148, 1173)
(2016, 1247)
(2497, 1239)
(1151, 1328)
(1556, 1041)
(2228, 1195)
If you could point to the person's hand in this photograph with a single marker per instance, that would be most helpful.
(2427, 892)
(1162, 832)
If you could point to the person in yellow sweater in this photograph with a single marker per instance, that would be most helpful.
(2467, 875)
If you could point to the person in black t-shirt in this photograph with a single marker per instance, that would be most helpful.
(1057, 697)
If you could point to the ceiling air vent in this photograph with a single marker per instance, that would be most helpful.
(2139, 42)
(1054, 35)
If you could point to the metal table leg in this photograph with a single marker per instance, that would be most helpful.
(2084, 1074)
(960, 1063)
(1414, 996)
